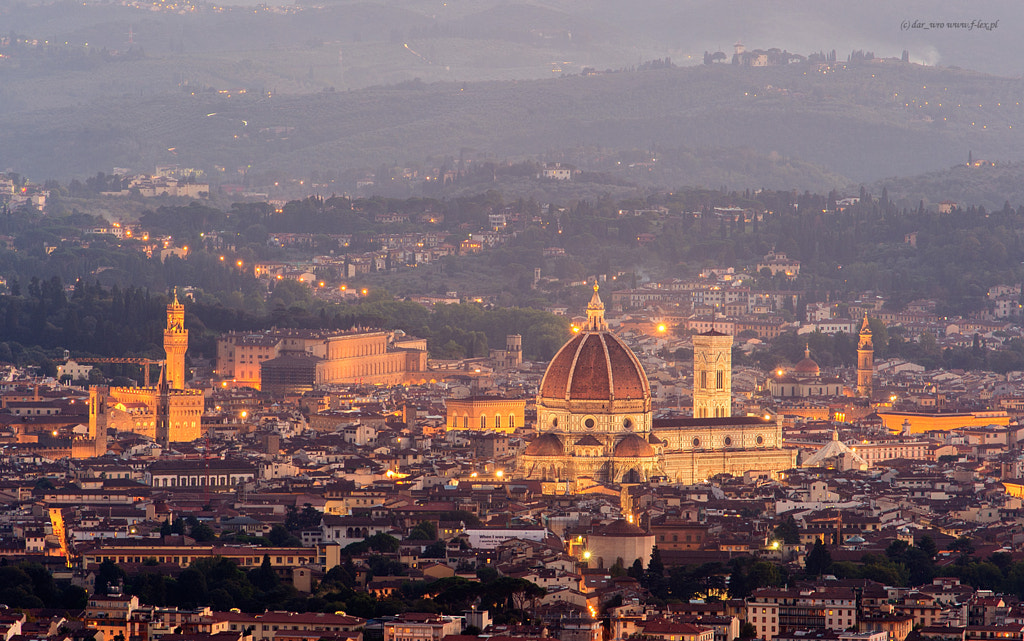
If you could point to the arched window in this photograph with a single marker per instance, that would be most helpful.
(483, 421)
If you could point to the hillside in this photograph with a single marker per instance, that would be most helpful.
(988, 184)
(863, 121)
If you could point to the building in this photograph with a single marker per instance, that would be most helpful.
(606, 544)
(593, 411)
(778, 263)
(274, 625)
(216, 474)
(294, 361)
(712, 375)
(865, 361)
(595, 419)
(485, 413)
(804, 380)
(168, 412)
(73, 370)
(919, 422)
(773, 610)
(555, 171)
(175, 344)
(510, 357)
(416, 626)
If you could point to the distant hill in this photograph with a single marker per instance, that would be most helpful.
(862, 121)
(990, 184)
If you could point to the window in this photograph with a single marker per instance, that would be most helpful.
(483, 422)
(704, 380)
(497, 421)
(719, 379)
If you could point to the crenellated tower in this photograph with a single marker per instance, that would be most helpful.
(175, 344)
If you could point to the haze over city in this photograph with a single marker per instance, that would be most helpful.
(511, 321)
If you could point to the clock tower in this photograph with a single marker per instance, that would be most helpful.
(712, 375)
(175, 344)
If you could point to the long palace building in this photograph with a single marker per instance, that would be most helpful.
(296, 360)
(595, 418)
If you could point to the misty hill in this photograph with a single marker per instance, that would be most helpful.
(990, 184)
(862, 121)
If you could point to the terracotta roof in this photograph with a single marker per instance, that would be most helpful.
(546, 445)
(633, 446)
(595, 366)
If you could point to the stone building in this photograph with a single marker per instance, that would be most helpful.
(595, 419)
(491, 413)
(327, 357)
(168, 412)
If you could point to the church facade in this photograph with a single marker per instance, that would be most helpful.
(595, 418)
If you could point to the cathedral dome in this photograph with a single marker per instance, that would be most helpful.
(546, 445)
(633, 446)
(808, 366)
(595, 366)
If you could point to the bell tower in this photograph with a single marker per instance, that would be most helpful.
(865, 360)
(712, 375)
(175, 344)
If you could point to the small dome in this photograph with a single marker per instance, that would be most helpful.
(546, 445)
(633, 446)
(808, 366)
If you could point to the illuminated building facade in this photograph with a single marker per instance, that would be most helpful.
(485, 413)
(804, 380)
(595, 420)
(168, 412)
(865, 361)
(356, 356)
(712, 375)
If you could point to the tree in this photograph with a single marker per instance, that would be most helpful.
(964, 547)
(109, 574)
(425, 531)
(436, 550)
(927, 545)
(654, 577)
(636, 571)
(787, 531)
(818, 559)
(264, 577)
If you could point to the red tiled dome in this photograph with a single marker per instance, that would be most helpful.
(595, 366)
(633, 447)
(807, 366)
(545, 445)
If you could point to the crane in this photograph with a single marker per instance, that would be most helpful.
(145, 362)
